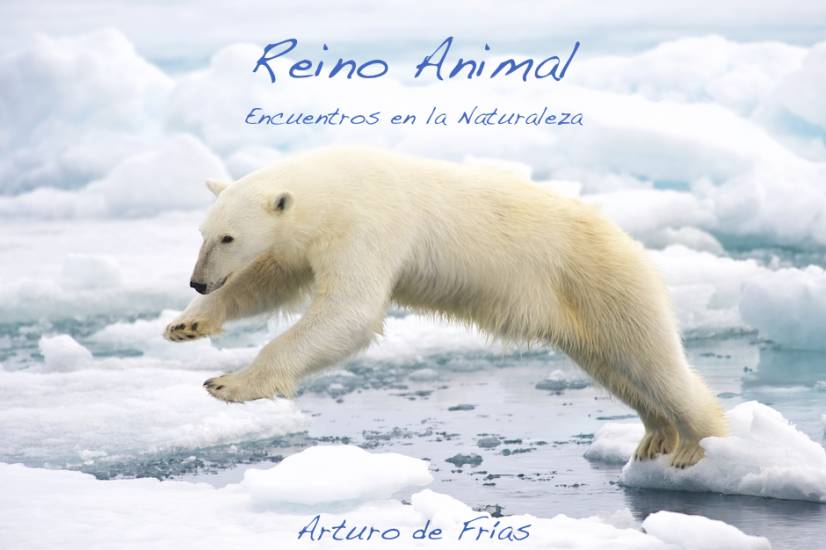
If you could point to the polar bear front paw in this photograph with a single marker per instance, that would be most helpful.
(241, 386)
(189, 329)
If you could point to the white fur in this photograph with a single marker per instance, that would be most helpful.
(362, 228)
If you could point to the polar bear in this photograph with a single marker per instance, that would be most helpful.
(358, 229)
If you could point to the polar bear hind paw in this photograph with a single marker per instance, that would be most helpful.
(652, 445)
(688, 453)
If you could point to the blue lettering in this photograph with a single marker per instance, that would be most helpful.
(265, 61)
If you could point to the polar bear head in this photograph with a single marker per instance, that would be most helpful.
(244, 222)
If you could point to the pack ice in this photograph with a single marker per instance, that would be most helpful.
(269, 507)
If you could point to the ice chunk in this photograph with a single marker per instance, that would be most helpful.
(488, 442)
(800, 92)
(705, 289)
(645, 211)
(460, 460)
(63, 353)
(763, 456)
(72, 120)
(440, 508)
(560, 380)
(700, 533)
(334, 474)
(614, 443)
(788, 306)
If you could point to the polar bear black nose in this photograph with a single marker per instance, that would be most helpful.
(200, 288)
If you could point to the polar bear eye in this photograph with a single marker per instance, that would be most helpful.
(227, 239)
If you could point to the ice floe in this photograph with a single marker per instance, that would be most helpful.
(764, 455)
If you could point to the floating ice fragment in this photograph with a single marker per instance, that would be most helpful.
(460, 460)
(763, 456)
(488, 442)
(614, 443)
(700, 533)
(329, 474)
(560, 380)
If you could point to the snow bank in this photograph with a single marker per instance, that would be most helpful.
(76, 107)
(741, 76)
(764, 456)
(714, 294)
(705, 289)
(166, 176)
(334, 475)
(86, 513)
(800, 92)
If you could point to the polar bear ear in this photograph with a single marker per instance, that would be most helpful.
(282, 202)
(216, 186)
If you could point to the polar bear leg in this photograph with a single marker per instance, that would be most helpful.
(701, 417)
(261, 287)
(686, 412)
(328, 332)
(675, 405)
(347, 310)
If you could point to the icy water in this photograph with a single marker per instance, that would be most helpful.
(498, 442)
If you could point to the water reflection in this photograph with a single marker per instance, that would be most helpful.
(786, 523)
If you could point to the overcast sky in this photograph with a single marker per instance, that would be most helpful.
(187, 32)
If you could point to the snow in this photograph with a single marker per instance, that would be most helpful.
(118, 409)
(314, 476)
(705, 289)
(87, 513)
(764, 455)
(741, 76)
(800, 92)
(167, 176)
(62, 352)
(412, 336)
(74, 269)
(697, 532)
